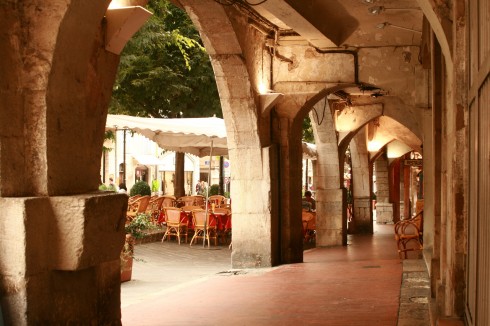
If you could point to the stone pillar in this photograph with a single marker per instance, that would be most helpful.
(384, 209)
(362, 213)
(60, 239)
(60, 259)
(331, 221)
(395, 188)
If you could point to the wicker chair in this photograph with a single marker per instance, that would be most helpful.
(409, 235)
(175, 226)
(218, 200)
(154, 207)
(136, 207)
(205, 227)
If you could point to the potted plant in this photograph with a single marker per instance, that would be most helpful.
(140, 188)
(135, 229)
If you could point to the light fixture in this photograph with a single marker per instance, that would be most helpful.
(368, 2)
(383, 25)
(376, 10)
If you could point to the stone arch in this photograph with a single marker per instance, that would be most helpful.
(49, 54)
(389, 106)
(440, 20)
(255, 224)
(58, 80)
(331, 213)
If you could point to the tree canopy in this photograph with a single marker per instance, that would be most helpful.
(164, 69)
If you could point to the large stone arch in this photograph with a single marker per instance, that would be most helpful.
(57, 83)
(254, 190)
(330, 195)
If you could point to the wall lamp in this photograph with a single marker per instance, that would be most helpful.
(383, 25)
(376, 10)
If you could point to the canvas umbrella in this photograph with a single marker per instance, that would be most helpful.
(198, 136)
(187, 135)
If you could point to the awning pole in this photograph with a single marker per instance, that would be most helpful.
(207, 192)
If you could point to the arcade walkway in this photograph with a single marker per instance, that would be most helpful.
(355, 285)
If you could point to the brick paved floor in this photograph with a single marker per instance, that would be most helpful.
(354, 285)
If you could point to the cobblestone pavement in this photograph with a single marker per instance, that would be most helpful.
(356, 285)
(165, 267)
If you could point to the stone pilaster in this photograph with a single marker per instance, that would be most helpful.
(384, 209)
(65, 251)
(362, 214)
(330, 230)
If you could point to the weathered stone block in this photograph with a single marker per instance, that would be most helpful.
(328, 237)
(82, 224)
(384, 213)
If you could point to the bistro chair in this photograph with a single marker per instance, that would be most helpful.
(175, 226)
(218, 200)
(409, 235)
(199, 200)
(168, 201)
(136, 207)
(133, 198)
(186, 201)
(154, 207)
(205, 226)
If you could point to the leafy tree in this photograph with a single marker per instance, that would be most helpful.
(164, 69)
(308, 131)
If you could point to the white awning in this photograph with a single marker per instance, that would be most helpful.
(146, 159)
(309, 151)
(188, 135)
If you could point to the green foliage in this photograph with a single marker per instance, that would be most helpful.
(155, 185)
(109, 135)
(164, 70)
(138, 225)
(308, 131)
(140, 188)
(213, 190)
(227, 194)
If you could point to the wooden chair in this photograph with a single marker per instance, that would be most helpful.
(409, 235)
(168, 201)
(205, 226)
(186, 201)
(218, 200)
(175, 227)
(154, 208)
(199, 200)
(133, 198)
(136, 207)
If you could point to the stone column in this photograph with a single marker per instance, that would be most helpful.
(362, 214)
(60, 239)
(384, 209)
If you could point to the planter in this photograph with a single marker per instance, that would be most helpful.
(127, 259)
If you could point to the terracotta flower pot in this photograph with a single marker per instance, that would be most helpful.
(127, 259)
